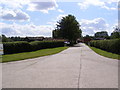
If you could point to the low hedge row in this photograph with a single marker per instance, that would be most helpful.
(16, 47)
(37, 45)
(112, 45)
(23, 46)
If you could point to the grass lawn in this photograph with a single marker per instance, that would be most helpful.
(105, 53)
(34, 54)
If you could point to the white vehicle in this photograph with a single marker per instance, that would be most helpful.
(66, 42)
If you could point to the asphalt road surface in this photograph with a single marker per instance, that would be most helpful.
(75, 67)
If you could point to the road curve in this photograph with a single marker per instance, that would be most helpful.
(75, 67)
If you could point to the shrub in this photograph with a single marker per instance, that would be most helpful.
(112, 45)
(16, 47)
(22, 46)
(36, 45)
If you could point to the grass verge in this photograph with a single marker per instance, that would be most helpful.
(34, 54)
(105, 53)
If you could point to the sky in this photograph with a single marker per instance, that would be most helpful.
(39, 17)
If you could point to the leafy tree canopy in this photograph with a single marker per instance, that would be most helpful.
(68, 28)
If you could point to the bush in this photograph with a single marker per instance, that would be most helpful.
(36, 45)
(16, 47)
(112, 45)
(22, 46)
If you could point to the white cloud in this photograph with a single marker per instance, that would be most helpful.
(110, 1)
(32, 5)
(87, 3)
(14, 15)
(55, 20)
(59, 17)
(13, 4)
(59, 10)
(26, 30)
(101, 3)
(42, 6)
(11, 10)
(89, 27)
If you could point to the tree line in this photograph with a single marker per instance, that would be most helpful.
(68, 28)
(104, 34)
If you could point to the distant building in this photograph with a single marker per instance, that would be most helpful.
(48, 39)
(34, 38)
(99, 38)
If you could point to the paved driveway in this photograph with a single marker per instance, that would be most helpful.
(76, 67)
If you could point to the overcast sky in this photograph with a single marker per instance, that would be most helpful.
(39, 17)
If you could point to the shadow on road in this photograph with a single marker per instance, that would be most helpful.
(78, 45)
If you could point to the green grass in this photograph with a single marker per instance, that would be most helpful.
(34, 54)
(105, 53)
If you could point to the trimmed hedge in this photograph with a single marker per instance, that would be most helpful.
(23, 46)
(16, 47)
(112, 45)
(37, 45)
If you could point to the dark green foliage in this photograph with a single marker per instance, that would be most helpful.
(115, 35)
(102, 34)
(37, 45)
(112, 45)
(16, 47)
(56, 34)
(5, 39)
(22, 46)
(68, 28)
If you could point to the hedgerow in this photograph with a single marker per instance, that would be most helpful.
(16, 47)
(23, 46)
(37, 45)
(112, 45)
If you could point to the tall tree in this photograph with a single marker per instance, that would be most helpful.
(56, 33)
(102, 34)
(6, 39)
(115, 35)
(68, 28)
